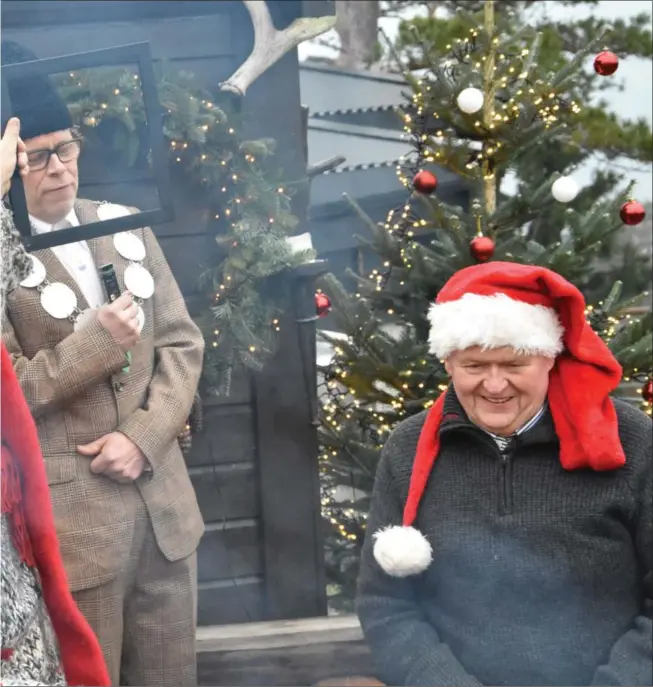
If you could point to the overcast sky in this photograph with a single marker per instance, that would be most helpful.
(636, 75)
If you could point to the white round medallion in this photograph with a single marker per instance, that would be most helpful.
(58, 300)
(85, 318)
(129, 246)
(139, 281)
(36, 276)
(140, 319)
(107, 211)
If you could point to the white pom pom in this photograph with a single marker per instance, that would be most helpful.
(564, 189)
(402, 551)
(470, 100)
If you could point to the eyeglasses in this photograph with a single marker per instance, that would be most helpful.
(67, 151)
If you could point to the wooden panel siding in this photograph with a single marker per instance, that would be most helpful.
(236, 483)
(36, 13)
(229, 440)
(172, 39)
(239, 600)
(230, 549)
(297, 652)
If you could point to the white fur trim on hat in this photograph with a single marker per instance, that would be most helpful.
(493, 322)
(402, 551)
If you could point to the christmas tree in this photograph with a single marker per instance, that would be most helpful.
(477, 110)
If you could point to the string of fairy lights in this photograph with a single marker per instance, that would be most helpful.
(403, 223)
(437, 147)
(342, 403)
(217, 160)
(608, 327)
(422, 381)
(418, 386)
(432, 144)
(235, 205)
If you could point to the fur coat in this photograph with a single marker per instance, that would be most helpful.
(44, 638)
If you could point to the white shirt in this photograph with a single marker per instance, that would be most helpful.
(77, 259)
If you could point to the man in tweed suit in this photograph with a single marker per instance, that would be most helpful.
(110, 387)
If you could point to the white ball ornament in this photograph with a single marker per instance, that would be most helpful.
(564, 189)
(470, 100)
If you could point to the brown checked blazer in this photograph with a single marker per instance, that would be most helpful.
(74, 384)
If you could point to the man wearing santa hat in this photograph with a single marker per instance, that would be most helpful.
(510, 537)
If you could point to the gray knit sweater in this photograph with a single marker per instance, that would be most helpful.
(540, 576)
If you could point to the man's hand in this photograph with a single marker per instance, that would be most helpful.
(12, 153)
(120, 319)
(116, 456)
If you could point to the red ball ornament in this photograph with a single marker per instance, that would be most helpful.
(606, 63)
(425, 182)
(647, 391)
(322, 305)
(482, 248)
(632, 213)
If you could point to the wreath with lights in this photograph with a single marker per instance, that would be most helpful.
(249, 206)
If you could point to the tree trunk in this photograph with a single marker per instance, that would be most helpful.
(357, 25)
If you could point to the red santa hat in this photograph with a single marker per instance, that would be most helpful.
(536, 312)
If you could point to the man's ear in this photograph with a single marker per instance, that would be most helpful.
(447, 365)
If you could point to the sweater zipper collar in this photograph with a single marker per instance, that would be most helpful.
(539, 429)
(455, 419)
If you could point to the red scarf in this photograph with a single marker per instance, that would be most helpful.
(26, 500)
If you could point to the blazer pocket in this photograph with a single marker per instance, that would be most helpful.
(61, 469)
(94, 528)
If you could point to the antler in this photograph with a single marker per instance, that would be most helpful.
(270, 44)
(325, 166)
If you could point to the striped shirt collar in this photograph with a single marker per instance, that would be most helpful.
(502, 442)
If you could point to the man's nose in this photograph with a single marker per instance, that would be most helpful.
(55, 165)
(495, 382)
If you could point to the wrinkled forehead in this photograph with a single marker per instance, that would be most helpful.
(491, 356)
(48, 140)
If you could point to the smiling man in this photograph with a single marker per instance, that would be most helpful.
(501, 390)
(510, 537)
(110, 386)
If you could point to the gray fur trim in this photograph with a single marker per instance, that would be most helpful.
(15, 264)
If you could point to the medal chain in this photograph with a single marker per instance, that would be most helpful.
(76, 312)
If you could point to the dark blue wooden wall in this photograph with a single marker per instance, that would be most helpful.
(255, 466)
